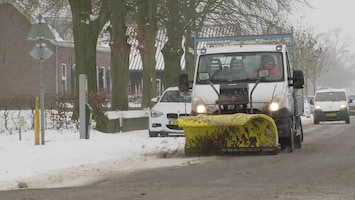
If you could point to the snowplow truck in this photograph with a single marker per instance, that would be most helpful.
(246, 96)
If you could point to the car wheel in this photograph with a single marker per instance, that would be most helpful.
(153, 134)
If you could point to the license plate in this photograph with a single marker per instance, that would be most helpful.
(174, 122)
(331, 114)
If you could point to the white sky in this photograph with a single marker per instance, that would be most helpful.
(328, 15)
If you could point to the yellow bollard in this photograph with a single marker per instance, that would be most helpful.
(37, 121)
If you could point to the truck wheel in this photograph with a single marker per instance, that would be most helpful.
(299, 138)
(290, 140)
(347, 120)
(315, 120)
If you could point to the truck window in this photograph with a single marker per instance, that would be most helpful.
(241, 67)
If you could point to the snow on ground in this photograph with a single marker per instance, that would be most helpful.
(67, 160)
(65, 156)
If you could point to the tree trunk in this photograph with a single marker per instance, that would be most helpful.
(149, 72)
(85, 33)
(84, 44)
(172, 50)
(147, 31)
(190, 23)
(120, 51)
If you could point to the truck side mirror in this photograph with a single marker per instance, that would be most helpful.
(298, 79)
(183, 82)
(311, 102)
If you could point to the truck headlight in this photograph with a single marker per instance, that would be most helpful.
(277, 103)
(343, 106)
(274, 106)
(198, 106)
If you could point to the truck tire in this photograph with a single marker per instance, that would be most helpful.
(315, 120)
(290, 140)
(347, 120)
(299, 138)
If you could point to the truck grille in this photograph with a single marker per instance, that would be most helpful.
(233, 94)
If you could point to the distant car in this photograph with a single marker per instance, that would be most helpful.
(170, 106)
(352, 104)
(306, 108)
(331, 105)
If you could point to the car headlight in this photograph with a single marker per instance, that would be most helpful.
(155, 113)
(277, 102)
(198, 106)
(317, 107)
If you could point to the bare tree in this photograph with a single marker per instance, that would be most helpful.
(172, 50)
(88, 21)
(338, 48)
(311, 55)
(183, 17)
(146, 18)
(338, 61)
(120, 50)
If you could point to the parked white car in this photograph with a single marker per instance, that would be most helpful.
(170, 106)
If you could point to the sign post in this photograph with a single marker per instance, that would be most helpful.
(40, 32)
(21, 122)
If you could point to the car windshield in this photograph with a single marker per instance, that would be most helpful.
(241, 67)
(176, 96)
(330, 96)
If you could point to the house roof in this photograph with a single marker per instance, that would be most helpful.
(58, 29)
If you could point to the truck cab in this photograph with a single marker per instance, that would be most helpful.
(252, 79)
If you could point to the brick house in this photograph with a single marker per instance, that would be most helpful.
(19, 71)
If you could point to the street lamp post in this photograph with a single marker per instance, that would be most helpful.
(40, 32)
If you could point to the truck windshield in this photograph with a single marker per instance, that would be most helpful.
(241, 67)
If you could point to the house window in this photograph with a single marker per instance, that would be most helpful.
(72, 80)
(108, 79)
(101, 78)
(64, 79)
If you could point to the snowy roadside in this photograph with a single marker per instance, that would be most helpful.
(65, 160)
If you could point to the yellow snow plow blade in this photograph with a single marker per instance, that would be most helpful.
(219, 134)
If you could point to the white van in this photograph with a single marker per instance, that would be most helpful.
(331, 105)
